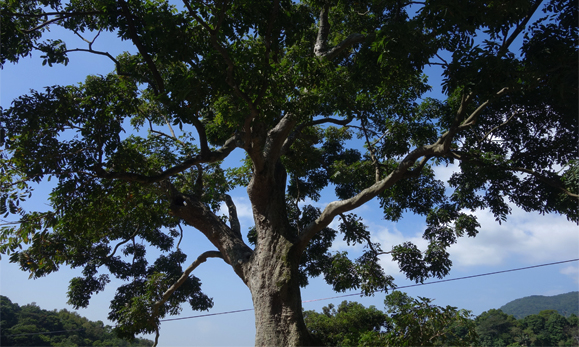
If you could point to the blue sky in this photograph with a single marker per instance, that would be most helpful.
(525, 239)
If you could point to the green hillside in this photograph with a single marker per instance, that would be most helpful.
(565, 304)
(29, 325)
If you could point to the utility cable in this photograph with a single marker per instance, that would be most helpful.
(402, 287)
(339, 296)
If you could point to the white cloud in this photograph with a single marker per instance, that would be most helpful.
(242, 205)
(388, 237)
(443, 173)
(529, 237)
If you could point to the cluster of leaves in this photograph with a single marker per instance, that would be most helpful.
(29, 325)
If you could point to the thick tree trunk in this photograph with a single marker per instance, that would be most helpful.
(273, 282)
(272, 273)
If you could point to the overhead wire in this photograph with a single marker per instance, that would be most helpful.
(401, 287)
(339, 296)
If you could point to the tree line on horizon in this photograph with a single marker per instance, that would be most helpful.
(406, 321)
(411, 321)
(30, 325)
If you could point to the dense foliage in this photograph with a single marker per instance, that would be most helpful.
(311, 95)
(547, 328)
(29, 325)
(565, 304)
(417, 322)
(406, 322)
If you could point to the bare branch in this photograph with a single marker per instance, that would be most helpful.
(233, 220)
(202, 135)
(180, 237)
(106, 54)
(42, 25)
(323, 31)
(132, 237)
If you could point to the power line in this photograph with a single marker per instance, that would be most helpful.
(340, 296)
(402, 287)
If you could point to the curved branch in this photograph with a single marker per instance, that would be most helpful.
(106, 54)
(335, 208)
(132, 237)
(202, 135)
(211, 157)
(200, 260)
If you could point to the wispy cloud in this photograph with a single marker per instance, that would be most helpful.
(571, 271)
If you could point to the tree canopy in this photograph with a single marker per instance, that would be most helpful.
(316, 94)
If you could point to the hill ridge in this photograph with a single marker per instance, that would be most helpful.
(566, 304)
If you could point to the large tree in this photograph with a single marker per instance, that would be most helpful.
(297, 86)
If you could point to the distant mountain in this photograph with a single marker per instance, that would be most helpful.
(565, 304)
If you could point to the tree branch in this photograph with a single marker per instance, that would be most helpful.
(520, 27)
(44, 14)
(320, 48)
(200, 260)
(294, 135)
(123, 242)
(335, 208)
(233, 220)
(554, 184)
(211, 157)
(135, 38)
(107, 54)
(277, 136)
(498, 126)
(202, 135)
